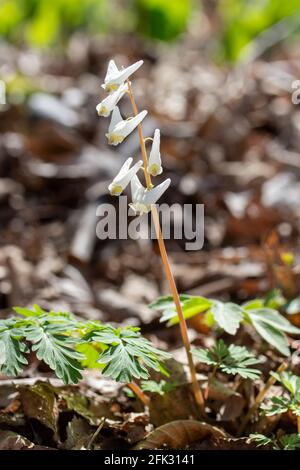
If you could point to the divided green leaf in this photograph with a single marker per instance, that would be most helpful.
(56, 350)
(128, 354)
(290, 441)
(230, 360)
(285, 442)
(68, 345)
(12, 350)
(290, 401)
(260, 439)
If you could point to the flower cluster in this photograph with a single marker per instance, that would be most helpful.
(117, 85)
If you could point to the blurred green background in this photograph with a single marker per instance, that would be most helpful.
(49, 23)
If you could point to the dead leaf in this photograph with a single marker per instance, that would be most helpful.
(39, 402)
(93, 410)
(179, 403)
(180, 435)
(132, 429)
(79, 433)
(229, 403)
(10, 440)
(282, 275)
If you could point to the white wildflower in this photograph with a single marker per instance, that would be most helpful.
(115, 77)
(108, 104)
(143, 198)
(154, 165)
(124, 177)
(119, 128)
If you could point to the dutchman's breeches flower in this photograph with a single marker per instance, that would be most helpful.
(143, 198)
(154, 164)
(109, 103)
(119, 128)
(115, 77)
(123, 178)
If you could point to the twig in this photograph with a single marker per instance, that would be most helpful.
(89, 444)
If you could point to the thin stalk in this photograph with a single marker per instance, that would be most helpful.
(167, 267)
(91, 441)
(298, 424)
(182, 323)
(210, 379)
(260, 398)
(139, 393)
(141, 138)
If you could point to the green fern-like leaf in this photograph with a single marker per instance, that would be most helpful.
(290, 401)
(277, 405)
(12, 350)
(231, 360)
(67, 344)
(290, 441)
(128, 354)
(56, 350)
(262, 440)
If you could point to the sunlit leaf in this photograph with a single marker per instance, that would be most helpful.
(228, 316)
(272, 335)
(56, 350)
(273, 318)
(12, 350)
(128, 354)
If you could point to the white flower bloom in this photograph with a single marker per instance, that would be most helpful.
(119, 128)
(124, 177)
(115, 77)
(142, 198)
(154, 164)
(107, 105)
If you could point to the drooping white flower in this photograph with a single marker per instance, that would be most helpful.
(123, 178)
(142, 198)
(154, 165)
(115, 77)
(119, 128)
(107, 105)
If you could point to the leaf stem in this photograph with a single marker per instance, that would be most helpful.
(167, 267)
(210, 379)
(298, 424)
(260, 398)
(139, 393)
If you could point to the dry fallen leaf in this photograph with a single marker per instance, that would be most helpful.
(180, 435)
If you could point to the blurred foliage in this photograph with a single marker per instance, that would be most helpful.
(162, 19)
(49, 22)
(243, 20)
(46, 22)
